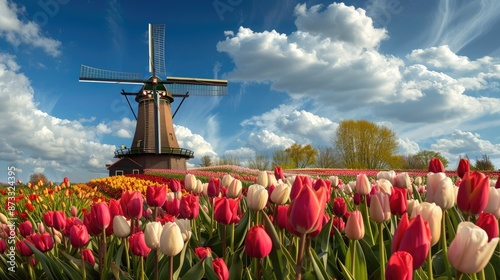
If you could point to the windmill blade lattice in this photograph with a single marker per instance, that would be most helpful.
(157, 50)
(92, 74)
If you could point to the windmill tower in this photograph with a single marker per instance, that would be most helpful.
(154, 144)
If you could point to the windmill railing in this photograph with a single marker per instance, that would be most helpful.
(164, 150)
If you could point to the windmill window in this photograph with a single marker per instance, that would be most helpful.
(118, 172)
(135, 171)
(171, 136)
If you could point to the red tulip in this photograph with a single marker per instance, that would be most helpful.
(89, 223)
(189, 207)
(463, 167)
(43, 241)
(226, 210)
(280, 217)
(220, 268)
(174, 185)
(100, 215)
(131, 203)
(497, 184)
(339, 206)
(25, 228)
(400, 266)
(473, 193)
(323, 221)
(3, 246)
(79, 236)
(114, 209)
(22, 247)
(278, 173)
(298, 184)
(414, 237)
(489, 223)
(398, 201)
(307, 209)
(338, 223)
(138, 245)
(48, 218)
(69, 224)
(213, 188)
(258, 244)
(156, 195)
(173, 207)
(58, 220)
(202, 252)
(327, 185)
(88, 256)
(435, 166)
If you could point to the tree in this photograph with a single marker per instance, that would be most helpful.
(301, 156)
(326, 158)
(484, 163)
(206, 160)
(424, 157)
(228, 160)
(259, 162)
(280, 158)
(363, 144)
(34, 178)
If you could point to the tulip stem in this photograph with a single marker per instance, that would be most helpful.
(481, 275)
(298, 266)
(353, 257)
(430, 276)
(366, 221)
(127, 257)
(232, 238)
(381, 250)
(445, 245)
(224, 242)
(171, 270)
(156, 265)
(84, 271)
(141, 271)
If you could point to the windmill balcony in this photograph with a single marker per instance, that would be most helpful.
(164, 150)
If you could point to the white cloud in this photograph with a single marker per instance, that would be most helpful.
(407, 146)
(195, 142)
(34, 139)
(17, 32)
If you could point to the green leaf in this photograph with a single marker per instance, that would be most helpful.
(236, 268)
(178, 261)
(271, 231)
(347, 274)
(318, 267)
(195, 272)
(357, 264)
(50, 266)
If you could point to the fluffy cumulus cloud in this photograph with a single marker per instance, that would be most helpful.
(195, 142)
(17, 32)
(467, 143)
(31, 137)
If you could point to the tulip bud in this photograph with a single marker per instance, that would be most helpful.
(79, 236)
(138, 245)
(22, 247)
(88, 256)
(202, 252)
(262, 178)
(152, 235)
(226, 180)
(363, 185)
(171, 242)
(463, 167)
(399, 266)
(174, 185)
(185, 227)
(213, 187)
(278, 173)
(131, 203)
(74, 211)
(58, 220)
(306, 209)
(299, 182)
(3, 219)
(339, 206)
(121, 227)
(334, 180)
(220, 268)
(402, 180)
(100, 215)
(418, 181)
(470, 240)
(489, 223)
(435, 165)
(384, 185)
(190, 182)
(280, 216)
(355, 228)
(338, 223)
(226, 210)
(189, 207)
(380, 209)
(156, 195)
(258, 244)
(234, 189)
(25, 228)
(281, 193)
(472, 197)
(257, 197)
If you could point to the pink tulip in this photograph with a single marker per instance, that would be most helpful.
(202, 252)
(43, 241)
(189, 207)
(58, 220)
(307, 209)
(339, 206)
(413, 236)
(25, 228)
(138, 245)
(156, 195)
(258, 244)
(400, 266)
(79, 236)
(88, 256)
(220, 269)
(355, 228)
(131, 203)
(100, 215)
(213, 188)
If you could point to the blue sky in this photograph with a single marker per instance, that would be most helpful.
(429, 70)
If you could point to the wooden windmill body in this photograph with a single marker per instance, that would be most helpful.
(155, 144)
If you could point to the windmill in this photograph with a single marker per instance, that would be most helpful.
(154, 144)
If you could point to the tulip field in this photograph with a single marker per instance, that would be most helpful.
(229, 222)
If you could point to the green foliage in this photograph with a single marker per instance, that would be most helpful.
(363, 144)
(326, 158)
(35, 177)
(259, 162)
(421, 159)
(484, 163)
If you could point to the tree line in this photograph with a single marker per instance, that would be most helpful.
(357, 144)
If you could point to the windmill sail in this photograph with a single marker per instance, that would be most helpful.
(157, 49)
(92, 74)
